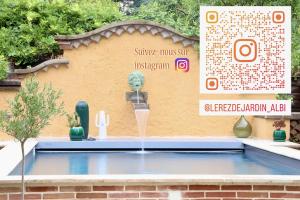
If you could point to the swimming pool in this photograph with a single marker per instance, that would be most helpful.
(161, 157)
(102, 169)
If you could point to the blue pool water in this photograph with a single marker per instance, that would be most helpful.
(226, 162)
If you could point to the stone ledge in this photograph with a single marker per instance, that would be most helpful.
(118, 28)
(152, 179)
(9, 162)
(295, 115)
(10, 84)
(13, 82)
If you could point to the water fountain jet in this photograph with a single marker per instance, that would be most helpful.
(139, 103)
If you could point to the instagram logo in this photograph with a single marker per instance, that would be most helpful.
(211, 17)
(245, 50)
(278, 17)
(182, 64)
(212, 83)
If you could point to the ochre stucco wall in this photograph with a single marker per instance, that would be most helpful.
(98, 74)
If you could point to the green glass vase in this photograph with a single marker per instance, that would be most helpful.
(242, 128)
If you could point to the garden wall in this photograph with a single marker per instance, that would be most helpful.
(99, 63)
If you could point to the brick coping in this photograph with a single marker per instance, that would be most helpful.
(55, 63)
(118, 28)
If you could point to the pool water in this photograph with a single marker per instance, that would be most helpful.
(101, 163)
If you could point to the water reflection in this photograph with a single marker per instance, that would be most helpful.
(57, 163)
(78, 163)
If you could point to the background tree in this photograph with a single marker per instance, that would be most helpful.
(3, 68)
(28, 27)
(183, 15)
(28, 113)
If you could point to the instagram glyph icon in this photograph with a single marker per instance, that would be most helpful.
(212, 83)
(278, 17)
(211, 17)
(245, 50)
(182, 64)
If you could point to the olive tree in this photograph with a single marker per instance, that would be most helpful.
(29, 112)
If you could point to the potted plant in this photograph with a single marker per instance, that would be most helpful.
(76, 130)
(278, 134)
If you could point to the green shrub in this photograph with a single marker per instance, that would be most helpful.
(183, 15)
(28, 27)
(296, 39)
(3, 68)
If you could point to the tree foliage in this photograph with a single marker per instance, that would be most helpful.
(3, 68)
(183, 15)
(28, 27)
(30, 110)
(28, 113)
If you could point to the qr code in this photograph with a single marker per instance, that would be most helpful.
(245, 49)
